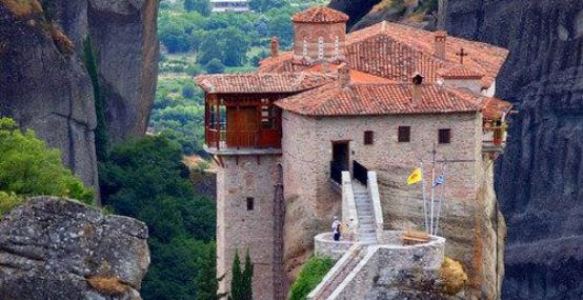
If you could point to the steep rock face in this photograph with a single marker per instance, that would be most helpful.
(123, 35)
(46, 88)
(53, 248)
(44, 83)
(540, 177)
(356, 9)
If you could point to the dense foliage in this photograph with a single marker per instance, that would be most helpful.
(28, 168)
(145, 179)
(312, 273)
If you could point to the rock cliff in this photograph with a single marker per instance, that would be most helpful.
(540, 177)
(53, 248)
(44, 80)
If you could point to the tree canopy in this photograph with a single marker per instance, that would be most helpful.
(28, 167)
(146, 179)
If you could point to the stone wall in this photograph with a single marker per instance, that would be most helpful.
(311, 33)
(325, 245)
(242, 230)
(307, 151)
(381, 273)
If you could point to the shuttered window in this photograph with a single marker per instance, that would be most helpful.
(368, 137)
(404, 134)
(444, 136)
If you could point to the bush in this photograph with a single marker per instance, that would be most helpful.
(311, 275)
(8, 202)
(29, 168)
(215, 66)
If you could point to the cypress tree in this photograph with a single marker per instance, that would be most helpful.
(247, 279)
(236, 279)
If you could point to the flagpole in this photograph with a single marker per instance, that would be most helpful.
(432, 191)
(442, 201)
(424, 199)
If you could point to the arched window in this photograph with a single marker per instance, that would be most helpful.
(320, 48)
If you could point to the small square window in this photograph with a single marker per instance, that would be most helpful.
(444, 136)
(368, 137)
(250, 203)
(404, 134)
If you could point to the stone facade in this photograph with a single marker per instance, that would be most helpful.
(312, 200)
(242, 229)
(311, 37)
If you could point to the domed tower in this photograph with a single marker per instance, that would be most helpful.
(320, 34)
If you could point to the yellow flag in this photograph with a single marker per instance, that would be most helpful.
(415, 177)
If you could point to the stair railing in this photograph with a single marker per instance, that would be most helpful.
(375, 198)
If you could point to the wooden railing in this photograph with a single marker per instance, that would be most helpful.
(218, 139)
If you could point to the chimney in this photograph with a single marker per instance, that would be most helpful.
(416, 89)
(344, 74)
(274, 47)
(439, 45)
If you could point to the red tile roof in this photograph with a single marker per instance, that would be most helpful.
(396, 51)
(379, 99)
(460, 72)
(320, 14)
(355, 76)
(495, 109)
(256, 83)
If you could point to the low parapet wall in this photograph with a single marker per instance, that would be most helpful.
(383, 262)
(325, 245)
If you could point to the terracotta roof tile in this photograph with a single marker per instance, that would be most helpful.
(355, 75)
(378, 99)
(495, 109)
(460, 72)
(262, 82)
(395, 51)
(320, 14)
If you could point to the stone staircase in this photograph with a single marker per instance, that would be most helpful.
(365, 210)
(337, 275)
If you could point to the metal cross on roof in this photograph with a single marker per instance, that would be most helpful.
(462, 54)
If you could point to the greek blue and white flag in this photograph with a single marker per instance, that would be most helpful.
(439, 180)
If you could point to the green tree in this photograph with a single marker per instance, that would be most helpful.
(310, 276)
(146, 179)
(28, 167)
(215, 66)
(247, 280)
(235, 47)
(241, 280)
(201, 6)
(206, 280)
(209, 49)
(265, 5)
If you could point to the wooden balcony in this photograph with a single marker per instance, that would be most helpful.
(225, 142)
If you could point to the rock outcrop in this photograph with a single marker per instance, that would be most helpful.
(44, 86)
(44, 80)
(53, 248)
(124, 37)
(540, 177)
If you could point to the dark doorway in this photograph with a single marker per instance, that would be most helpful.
(341, 155)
